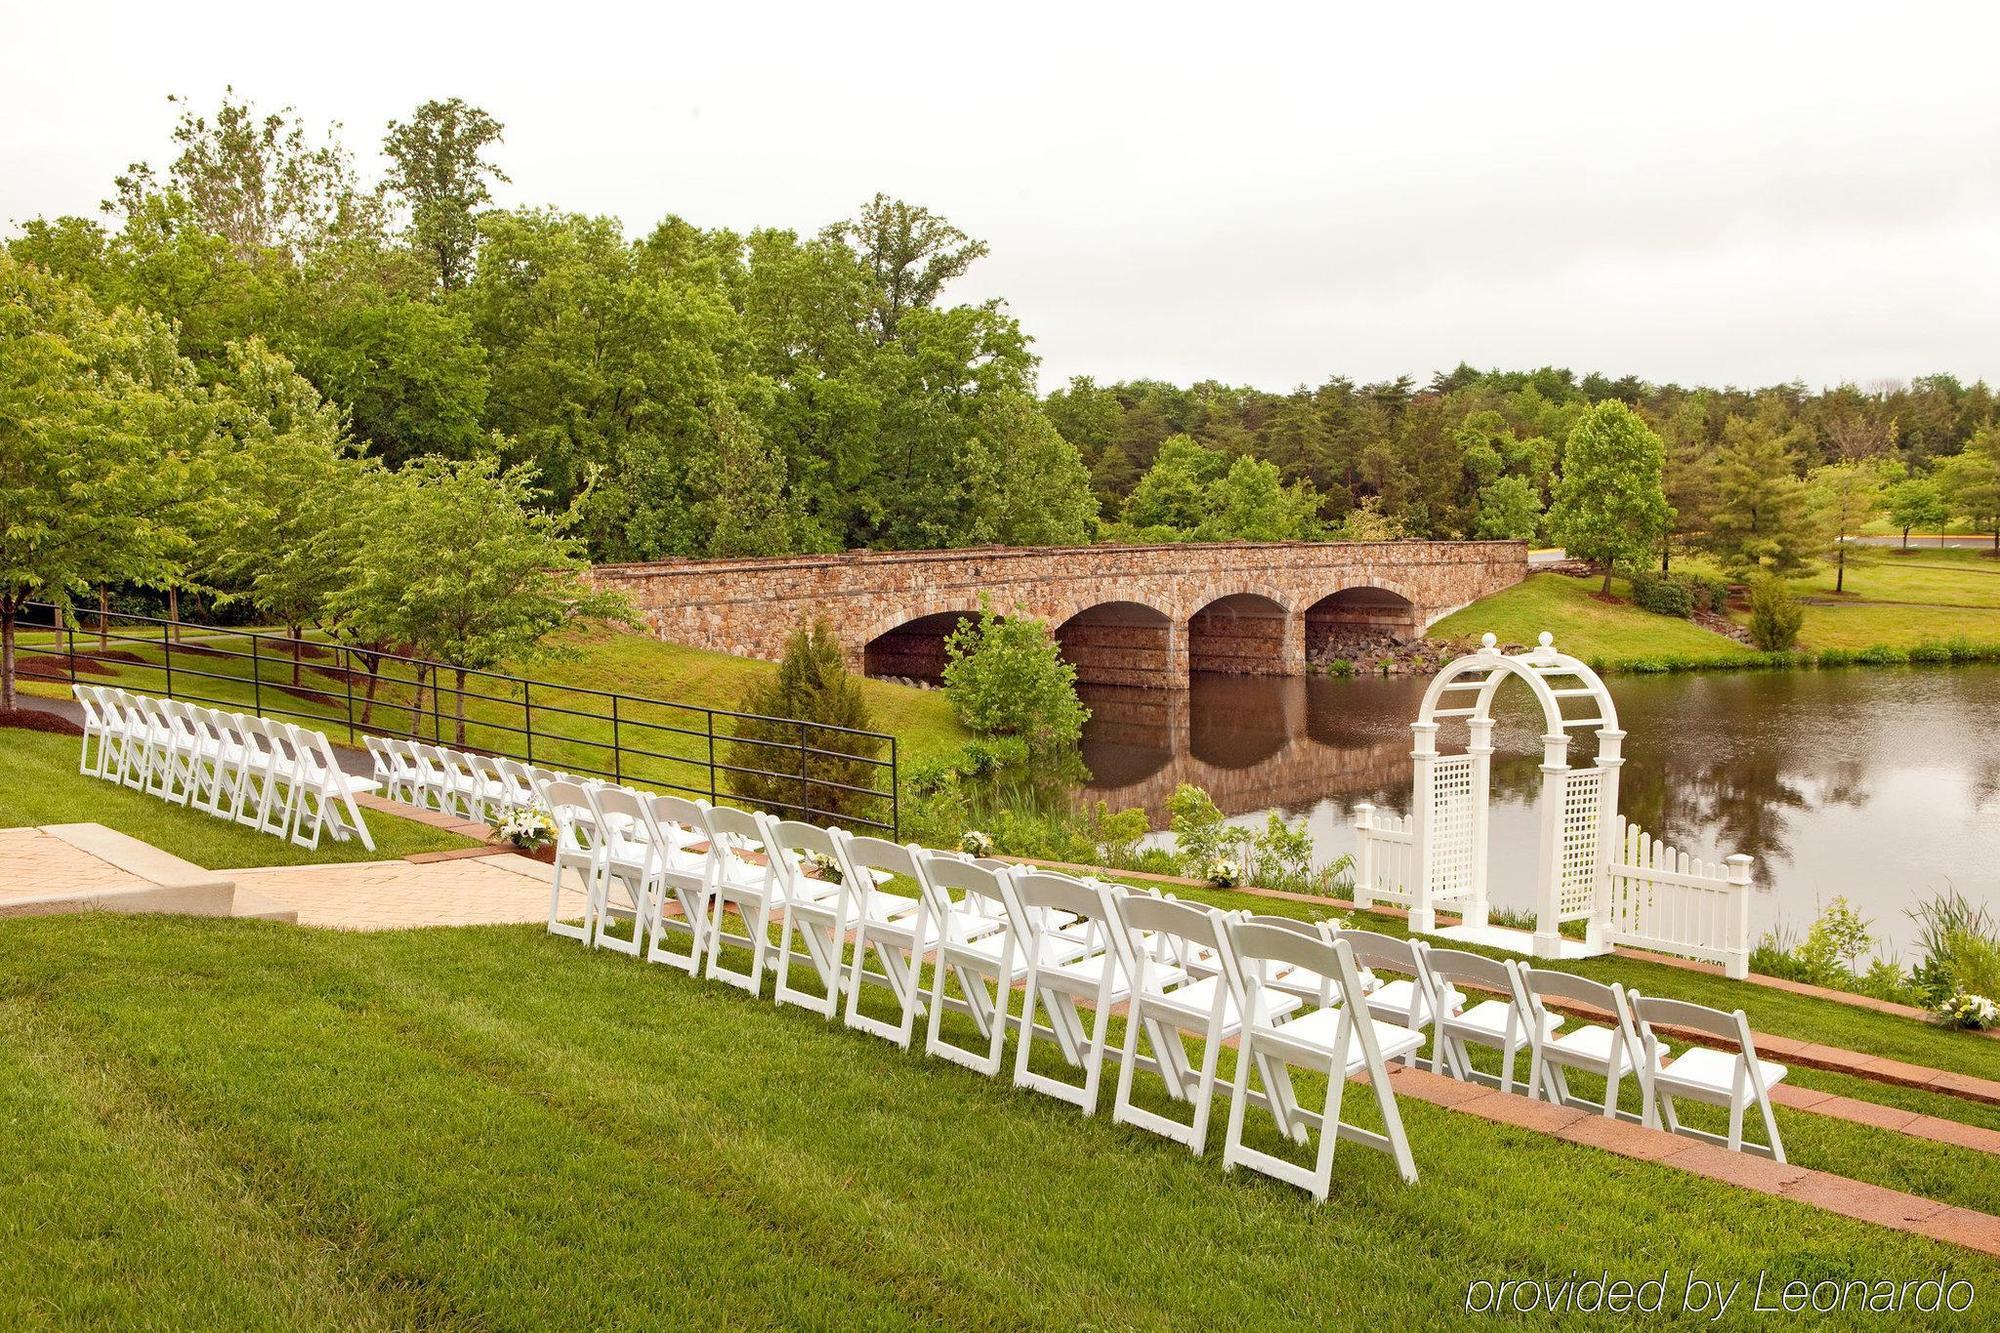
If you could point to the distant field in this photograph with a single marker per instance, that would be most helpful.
(1597, 631)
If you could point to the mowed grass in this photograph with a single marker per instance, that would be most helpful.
(39, 784)
(237, 1124)
(1584, 625)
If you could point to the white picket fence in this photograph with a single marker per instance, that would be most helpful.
(1385, 858)
(1664, 899)
(1654, 896)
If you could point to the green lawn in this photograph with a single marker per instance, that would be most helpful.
(39, 784)
(238, 1124)
(1597, 631)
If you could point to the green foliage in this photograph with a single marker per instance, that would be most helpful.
(1662, 596)
(438, 171)
(1971, 482)
(1775, 616)
(1609, 506)
(1509, 509)
(1007, 677)
(105, 445)
(1958, 946)
(811, 700)
(1916, 502)
(1763, 520)
(1200, 834)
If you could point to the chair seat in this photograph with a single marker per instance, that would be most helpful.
(1703, 1067)
(1319, 1028)
(1590, 1042)
(1393, 999)
(1198, 997)
(1489, 1018)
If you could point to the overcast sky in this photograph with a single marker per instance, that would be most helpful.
(1739, 193)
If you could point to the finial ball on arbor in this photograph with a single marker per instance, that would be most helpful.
(1488, 642)
(1547, 640)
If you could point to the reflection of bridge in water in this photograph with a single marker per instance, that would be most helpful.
(1251, 744)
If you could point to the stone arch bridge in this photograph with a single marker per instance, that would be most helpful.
(1125, 615)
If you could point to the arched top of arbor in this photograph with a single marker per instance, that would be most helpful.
(1555, 678)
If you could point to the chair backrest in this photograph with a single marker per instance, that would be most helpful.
(1456, 968)
(734, 837)
(1374, 950)
(983, 891)
(541, 777)
(1163, 930)
(1256, 945)
(866, 853)
(679, 820)
(1043, 891)
(1726, 1026)
(575, 818)
(86, 699)
(518, 781)
(624, 818)
(1548, 981)
(378, 756)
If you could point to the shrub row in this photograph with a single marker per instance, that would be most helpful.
(1932, 652)
(1679, 594)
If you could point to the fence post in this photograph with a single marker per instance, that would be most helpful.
(1364, 855)
(347, 674)
(710, 713)
(805, 806)
(617, 746)
(1736, 959)
(69, 632)
(256, 678)
(895, 794)
(167, 656)
(528, 717)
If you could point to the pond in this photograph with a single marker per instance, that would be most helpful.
(1882, 785)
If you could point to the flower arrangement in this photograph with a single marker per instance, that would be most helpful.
(1222, 873)
(1966, 1010)
(975, 843)
(821, 866)
(530, 829)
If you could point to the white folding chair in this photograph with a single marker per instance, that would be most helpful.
(1339, 1041)
(981, 934)
(89, 764)
(1500, 1023)
(325, 793)
(631, 862)
(519, 786)
(1100, 976)
(464, 789)
(260, 783)
(225, 799)
(115, 746)
(286, 793)
(155, 739)
(437, 788)
(210, 755)
(1397, 981)
(179, 776)
(490, 785)
(743, 874)
(897, 927)
(819, 911)
(1735, 1079)
(1609, 1052)
(578, 846)
(684, 845)
(1167, 1001)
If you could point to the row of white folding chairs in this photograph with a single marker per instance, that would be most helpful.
(273, 776)
(677, 868)
(465, 783)
(1525, 1009)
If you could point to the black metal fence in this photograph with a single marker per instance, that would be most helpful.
(804, 770)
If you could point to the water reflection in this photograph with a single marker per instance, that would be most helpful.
(1880, 785)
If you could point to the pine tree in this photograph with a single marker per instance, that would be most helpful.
(811, 701)
(1762, 518)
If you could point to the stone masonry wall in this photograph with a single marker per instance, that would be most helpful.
(1143, 600)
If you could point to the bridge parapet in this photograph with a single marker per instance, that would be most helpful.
(1127, 614)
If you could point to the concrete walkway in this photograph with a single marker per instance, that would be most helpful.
(489, 890)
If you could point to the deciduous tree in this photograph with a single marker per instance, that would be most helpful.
(1609, 505)
(438, 168)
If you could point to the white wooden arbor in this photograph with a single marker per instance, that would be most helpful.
(1451, 794)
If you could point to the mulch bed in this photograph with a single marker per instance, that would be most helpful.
(33, 719)
(39, 665)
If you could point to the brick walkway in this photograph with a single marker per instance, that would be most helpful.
(1818, 1189)
(391, 895)
(36, 863)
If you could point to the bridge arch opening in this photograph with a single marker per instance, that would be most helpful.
(1243, 634)
(1354, 621)
(913, 650)
(1120, 643)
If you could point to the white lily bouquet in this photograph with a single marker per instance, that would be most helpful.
(530, 828)
(1966, 1010)
(1222, 873)
(975, 843)
(821, 866)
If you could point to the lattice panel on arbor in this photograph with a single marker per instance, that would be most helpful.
(1577, 861)
(1451, 827)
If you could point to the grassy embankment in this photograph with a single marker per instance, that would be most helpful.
(242, 1124)
(1893, 603)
